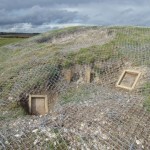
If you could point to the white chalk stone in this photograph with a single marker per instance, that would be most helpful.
(35, 130)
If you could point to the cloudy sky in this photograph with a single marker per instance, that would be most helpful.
(44, 15)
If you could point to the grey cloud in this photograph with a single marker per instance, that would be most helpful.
(124, 13)
(30, 15)
(37, 16)
(17, 4)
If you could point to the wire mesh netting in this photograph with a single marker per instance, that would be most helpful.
(77, 68)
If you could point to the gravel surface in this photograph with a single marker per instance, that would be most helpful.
(113, 116)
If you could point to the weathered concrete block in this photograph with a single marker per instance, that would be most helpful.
(38, 104)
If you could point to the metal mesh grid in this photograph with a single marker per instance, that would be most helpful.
(83, 115)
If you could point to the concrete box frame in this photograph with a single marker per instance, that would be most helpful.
(38, 96)
(133, 72)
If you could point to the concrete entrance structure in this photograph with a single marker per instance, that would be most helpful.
(38, 104)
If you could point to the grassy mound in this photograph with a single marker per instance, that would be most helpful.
(34, 61)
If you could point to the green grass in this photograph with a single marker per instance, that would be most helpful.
(60, 144)
(146, 93)
(14, 112)
(147, 103)
(76, 95)
(58, 33)
(6, 41)
(125, 38)
(88, 55)
(73, 95)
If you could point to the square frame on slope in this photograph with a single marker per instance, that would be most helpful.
(39, 103)
(124, 78)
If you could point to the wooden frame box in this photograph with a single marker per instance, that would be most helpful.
(128, 79)
(38, 104)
